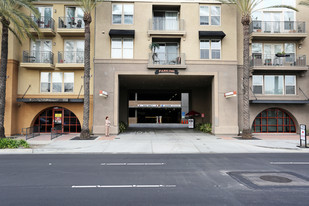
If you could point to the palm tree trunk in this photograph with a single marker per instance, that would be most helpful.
(3, 71)
(85, 133)
(246, 130)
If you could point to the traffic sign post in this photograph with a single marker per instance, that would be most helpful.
(303, 136)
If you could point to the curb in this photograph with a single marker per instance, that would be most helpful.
(16, 151)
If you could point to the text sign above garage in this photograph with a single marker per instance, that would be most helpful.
(170, 71)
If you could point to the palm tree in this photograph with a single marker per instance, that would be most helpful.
(153, 46)
(304, 2)
(19, 23)
(87, 6)
(246, 8)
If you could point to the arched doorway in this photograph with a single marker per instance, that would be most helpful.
(273, 120)
(57, 117)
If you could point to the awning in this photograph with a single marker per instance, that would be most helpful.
(279, 101)
(211, 34)
(121, 33)
(49, 100)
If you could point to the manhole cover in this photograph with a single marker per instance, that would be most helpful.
(277, 179)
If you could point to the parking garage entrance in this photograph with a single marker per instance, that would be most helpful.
(165, 99)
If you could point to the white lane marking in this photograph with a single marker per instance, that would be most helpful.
(289, 163)
(121, 186)
(133, 164)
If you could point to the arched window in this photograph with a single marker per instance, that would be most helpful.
(57, 117)
(273, 121)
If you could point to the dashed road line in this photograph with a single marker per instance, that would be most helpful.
(121, 186)
(132, 164)
(289, 163)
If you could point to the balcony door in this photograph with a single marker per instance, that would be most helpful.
(45, 20)
(270, 51)
(74, 51)
(168, 53)
(272, 22)
(41, 51)
(74, 17)
(166, 20)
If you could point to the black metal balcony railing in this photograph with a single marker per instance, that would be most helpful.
(287, 60)
(71, 23)
(166, 59)
(164, 24)
(38, 57)
(71, 57)
(278, 26)
(44, 22)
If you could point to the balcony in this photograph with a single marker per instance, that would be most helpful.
(160, 26)
(46, 26)
(278, 62)
(166, 61)
(278, 30)
(71, 26)
(38, 60)
(70, 60)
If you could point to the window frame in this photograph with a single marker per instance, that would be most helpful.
(210, 15)
(283, 84)
(211, 49)
(51, 82)
(123, 14)
(122, 48)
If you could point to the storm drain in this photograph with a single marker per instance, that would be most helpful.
(260, 180)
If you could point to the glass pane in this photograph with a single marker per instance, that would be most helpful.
(264, 114)
(272, 128)
(264, 121)
(204, 53)
(57, 87)
(116, 43)
(215, 20)
(264, 129)
(68, 77)
(204, 20)
(272, 121)
(289, 80)
(204, 11)
(257, 89)
(271, 113)
(45, 87)
(289, 48)
(127, 53)
(116, 19)
(273, 84)
(128, 19)
(280, 121)
(128, 43)
(215, 11)
(257, 80)
(45, 76)
(257, 121)
(290, 89)
(256, 48)
(215, 54)
(68, 87)
(117, 8)
(57, 77)
(128, 9)
(204, 44)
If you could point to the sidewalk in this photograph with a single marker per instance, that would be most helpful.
(172, 141)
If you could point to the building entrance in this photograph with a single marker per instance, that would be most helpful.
(57, 117)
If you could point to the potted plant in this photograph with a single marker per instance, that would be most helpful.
(153, 46)
(282, 54)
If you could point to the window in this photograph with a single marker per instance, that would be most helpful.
(41, 51)
(74, 51)
(55, 81)
(289, 48)
(210, 15)
(122, 48)
(257, 82)
(274, 84)
(74, 17)
(45, 20)
(210, 49)
(68, 82)
(290, 84)
(45, 81)
(272, 121)
(123, 13)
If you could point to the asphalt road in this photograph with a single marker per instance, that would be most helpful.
(148, 179)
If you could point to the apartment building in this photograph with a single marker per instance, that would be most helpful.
(279, 95)
(45, 84)
(155, 61)
(193, 65)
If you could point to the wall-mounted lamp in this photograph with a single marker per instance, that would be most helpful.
(55, 10)
(54, 43)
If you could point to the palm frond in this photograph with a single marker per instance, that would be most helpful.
(86, 5)
(304, 3)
